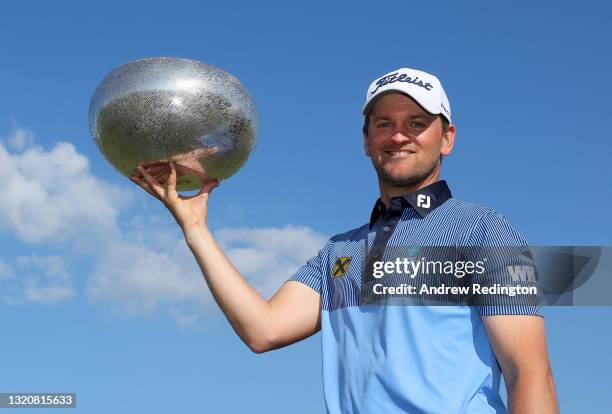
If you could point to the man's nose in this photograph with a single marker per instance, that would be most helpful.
(399, 137)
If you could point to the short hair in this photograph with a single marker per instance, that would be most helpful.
(444, 121)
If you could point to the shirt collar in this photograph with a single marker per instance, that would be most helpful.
(423, 201)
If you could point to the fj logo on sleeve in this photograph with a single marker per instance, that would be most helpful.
(341, 266)
(423, 201)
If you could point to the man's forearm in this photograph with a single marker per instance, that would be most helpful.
(243, 306)
(530, 393)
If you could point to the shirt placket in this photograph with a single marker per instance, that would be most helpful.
(385, 227)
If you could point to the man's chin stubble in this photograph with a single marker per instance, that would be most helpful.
(407, 181)
(402, 182)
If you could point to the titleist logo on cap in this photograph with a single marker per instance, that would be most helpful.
(391, 78)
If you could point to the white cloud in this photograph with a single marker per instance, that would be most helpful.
(53, 266)
(39, 279)
(19, 138)
(137, 277)
(51, 195)
(268, 256)
(148, 270)
(5, 270)
(51, 200)
(34, 292)
(182, 320)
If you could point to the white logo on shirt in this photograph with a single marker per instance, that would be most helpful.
(423, 201)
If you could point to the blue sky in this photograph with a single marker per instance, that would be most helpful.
(98, 294)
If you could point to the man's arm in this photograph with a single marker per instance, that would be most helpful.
(291, 315)
(519, 343)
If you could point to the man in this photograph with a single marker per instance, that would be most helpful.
(377, 358)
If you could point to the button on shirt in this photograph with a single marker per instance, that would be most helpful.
(407, 359)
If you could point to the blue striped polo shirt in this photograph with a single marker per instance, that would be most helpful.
(408, 359)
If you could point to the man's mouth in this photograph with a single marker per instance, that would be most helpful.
(403, 153)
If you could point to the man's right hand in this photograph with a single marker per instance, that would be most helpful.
(188, 211)
(292, 314)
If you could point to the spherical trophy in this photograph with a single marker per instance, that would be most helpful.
(179, 110)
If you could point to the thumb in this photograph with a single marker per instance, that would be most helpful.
(208, 187)
(201, 198)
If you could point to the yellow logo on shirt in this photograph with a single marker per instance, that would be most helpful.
(341, 266)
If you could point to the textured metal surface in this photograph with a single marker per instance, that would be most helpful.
(171, 109)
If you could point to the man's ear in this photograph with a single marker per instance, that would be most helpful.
(366, 144)
(448, 140)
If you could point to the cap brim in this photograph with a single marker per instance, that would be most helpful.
(375, 97)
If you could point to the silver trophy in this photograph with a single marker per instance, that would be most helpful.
(171, 109)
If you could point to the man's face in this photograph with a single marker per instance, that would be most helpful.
(404, 141)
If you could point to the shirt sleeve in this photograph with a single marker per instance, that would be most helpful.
(311, 274)
(509, 261)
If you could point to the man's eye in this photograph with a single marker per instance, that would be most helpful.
(384, 124)
(416, 124)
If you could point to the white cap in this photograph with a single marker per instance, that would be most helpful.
(421, 86)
